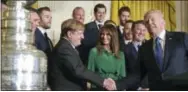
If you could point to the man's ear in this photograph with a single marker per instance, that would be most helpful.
(69, 34)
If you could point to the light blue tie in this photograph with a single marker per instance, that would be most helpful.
(158, 53)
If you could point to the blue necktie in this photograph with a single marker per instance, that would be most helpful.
(158, 53)
(138, 46)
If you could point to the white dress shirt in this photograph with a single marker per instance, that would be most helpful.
(42, 30)
(162, 40)
(136, 44)
(99, 23)
(121, 29)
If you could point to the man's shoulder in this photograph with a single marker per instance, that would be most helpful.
(177, 35)
(94, 50)
(90, 24)
(37, 30)
(129, 45)
(62, 44)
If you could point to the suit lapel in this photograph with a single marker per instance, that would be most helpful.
(96, 26)
(169, 47)
(47, 41)
(69, 45)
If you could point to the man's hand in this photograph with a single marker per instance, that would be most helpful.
(143, 89)
(109, 84)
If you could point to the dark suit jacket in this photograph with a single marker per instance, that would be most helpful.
(121, 39)
(67, 71)
(42, 44)
(91, 35)
(175, 63)
(131, 55)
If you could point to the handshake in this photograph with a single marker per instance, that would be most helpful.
(109, 84)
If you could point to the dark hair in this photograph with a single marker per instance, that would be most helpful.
(41, 9)
(129, 21)
(4, 2)
(99, 6)
(135, 23)
(32, 9)
(124, 8)
(114, 43)
(109, 22)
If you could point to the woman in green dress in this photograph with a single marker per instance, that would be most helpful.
(106, 59)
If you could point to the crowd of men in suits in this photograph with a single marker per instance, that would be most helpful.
(160, 63)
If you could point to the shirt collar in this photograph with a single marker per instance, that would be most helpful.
(42, 29)
(127, 41)
(97, 22)
(137, 43)
(121, 27)
(162, 35)
(69, 42)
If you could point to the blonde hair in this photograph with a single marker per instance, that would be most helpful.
(154, 11)
(70, 25)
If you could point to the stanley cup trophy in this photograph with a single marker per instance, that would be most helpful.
(23, 67)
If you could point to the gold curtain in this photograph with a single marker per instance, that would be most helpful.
(139, 8)
(35, 5)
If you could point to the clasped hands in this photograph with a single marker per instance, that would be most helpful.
(109, 84)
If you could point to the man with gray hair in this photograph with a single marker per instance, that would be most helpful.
(79, 14)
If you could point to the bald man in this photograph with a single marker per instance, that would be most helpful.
(79, 14)
(164, 58)
(34, 18)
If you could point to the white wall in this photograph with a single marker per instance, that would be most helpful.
(62, 10)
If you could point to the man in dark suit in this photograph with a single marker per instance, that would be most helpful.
(124, 15)
(42, 41)
(67, 71)
(164, 58)
(131, 52)
(91, 33)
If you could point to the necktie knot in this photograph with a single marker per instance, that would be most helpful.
(157, 40)
(138, 46)
(45, 35)
(99, 25)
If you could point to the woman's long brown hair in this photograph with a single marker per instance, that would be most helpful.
(114, 43)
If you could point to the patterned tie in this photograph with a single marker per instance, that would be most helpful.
(158, 53)
(99, 25)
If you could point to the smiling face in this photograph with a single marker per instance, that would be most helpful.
(154, 22)
(139, 32)
(76, 36)
(127, 31)
(125, 15)
(100, 14)
(105, 37)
